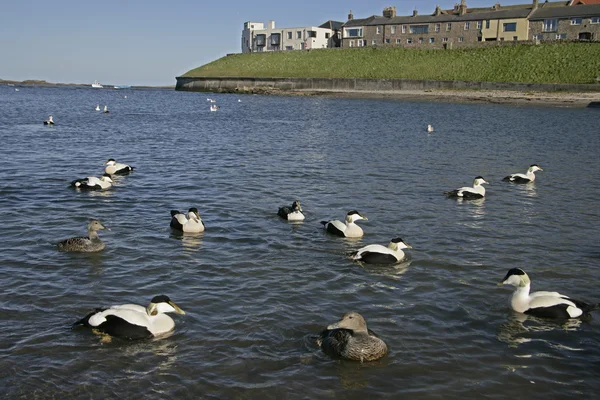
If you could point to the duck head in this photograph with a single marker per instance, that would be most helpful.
(479, 181)
(162, 304)
(535, 167)
(398, 244)
(96, 225)
(354, 216)
(515, 277)
(351, 320)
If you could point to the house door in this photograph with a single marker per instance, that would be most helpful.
(585, 36)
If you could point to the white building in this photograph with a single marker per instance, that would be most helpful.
(257, 38)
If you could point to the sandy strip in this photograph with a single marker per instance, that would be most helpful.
(553, 99)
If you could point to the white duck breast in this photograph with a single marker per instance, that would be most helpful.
(349, 229)
(542, 304)
(115, 168)
(131, 321)
(93, 183)
(527, 177)
(293, 213)
(466, 192)
(190, 223)
(378, 254)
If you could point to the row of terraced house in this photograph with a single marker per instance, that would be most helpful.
(444, 28)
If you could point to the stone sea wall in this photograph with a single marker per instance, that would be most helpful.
(262, 85)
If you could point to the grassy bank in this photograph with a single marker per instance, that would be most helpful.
(548, 63)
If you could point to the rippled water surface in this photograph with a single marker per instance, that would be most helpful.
(257, 289)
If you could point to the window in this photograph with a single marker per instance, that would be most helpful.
(393, 29)
(510, 27)
(467, 25)
(479, 25)
(261, 39)
(449, 26)
(409, 41)
(326, 35)
(398, 41)
(275, 39)
(416, 29)
(549, 25)
(290, 35)
(539, 36)
(445, 40)
(560, 36)
(289, 47)
(298, 34)
(312, 34)
(359, 43)
(487, 24)
(403, 28)
(379, 29)
(431, 40)
(387, 41)
(595, 20)
(515, 38)
(374, 42)
(461, 39)
(438, 27)
(575, 21)
(420, 40)
(353, 32)
(351, 43)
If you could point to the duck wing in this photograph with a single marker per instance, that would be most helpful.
(74, 243)
(376, 254)
(284, 211)
(335, 227)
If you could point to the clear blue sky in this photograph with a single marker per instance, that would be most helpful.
(134, 42)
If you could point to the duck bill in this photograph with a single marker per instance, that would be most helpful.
(333, 326)
(177, 309)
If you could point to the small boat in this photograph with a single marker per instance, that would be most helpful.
(122, 87)
(97, 85)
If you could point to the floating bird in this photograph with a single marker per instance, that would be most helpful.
(293, 213)
(97, 107)
(542, 304)
(350, 339)
(49, 121)
(527, 177)
(115, 168)
(429, 128)
(192, 223)
(16, 90)
(466, 192)
(89, 244)
(239, 100)
(378, 254)
(131, 321)
(211, 100)
(106, 110)
(214, 107)
(93, 183)
(349, 229)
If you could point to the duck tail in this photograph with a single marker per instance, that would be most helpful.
(324, 222)
(85, 321)
(506, 178)
(174, 213)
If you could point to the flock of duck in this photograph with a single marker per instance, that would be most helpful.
(349, 338)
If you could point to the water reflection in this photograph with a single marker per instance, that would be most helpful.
(392, 270)
(190, 241)
(519, 326)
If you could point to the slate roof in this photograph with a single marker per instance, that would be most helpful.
(583, 11)
(333, 25)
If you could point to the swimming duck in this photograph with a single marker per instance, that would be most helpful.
(527, 177)
(131, 321)
(97, 107)
(93, 183)
(214, 107)
(349, 229)
(293, 213)
(350, 339)
(429, 128)
(89, 244)
(49, 121)
(542, 304)
(106, 110)
(192, 223)
(466, 192)
(378, 254)
(115, 168)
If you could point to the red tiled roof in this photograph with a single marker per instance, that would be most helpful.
(578, 2)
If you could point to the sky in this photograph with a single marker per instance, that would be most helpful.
(134, 42)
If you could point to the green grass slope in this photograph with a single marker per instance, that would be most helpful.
(547, 63)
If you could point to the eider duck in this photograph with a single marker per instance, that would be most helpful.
(89, 244)
(106, 110)
(378, 254)
(542, 304)
(131, 321)
(97, 107)
(293, 213)
(350, 229)
(93, 183)
(429, 128)
(192, 223)
(49, 121)
(527, 177)
(214, 107)
(350, 339)
(115, 168)
(466, 192)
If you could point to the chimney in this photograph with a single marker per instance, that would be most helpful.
(271, 25)
(350, 16)
(535, 4)
(438, 11)
(389, 12)
(415, 13)
(462, 9)
(496, 6)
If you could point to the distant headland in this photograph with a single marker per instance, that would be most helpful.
(40, 82)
